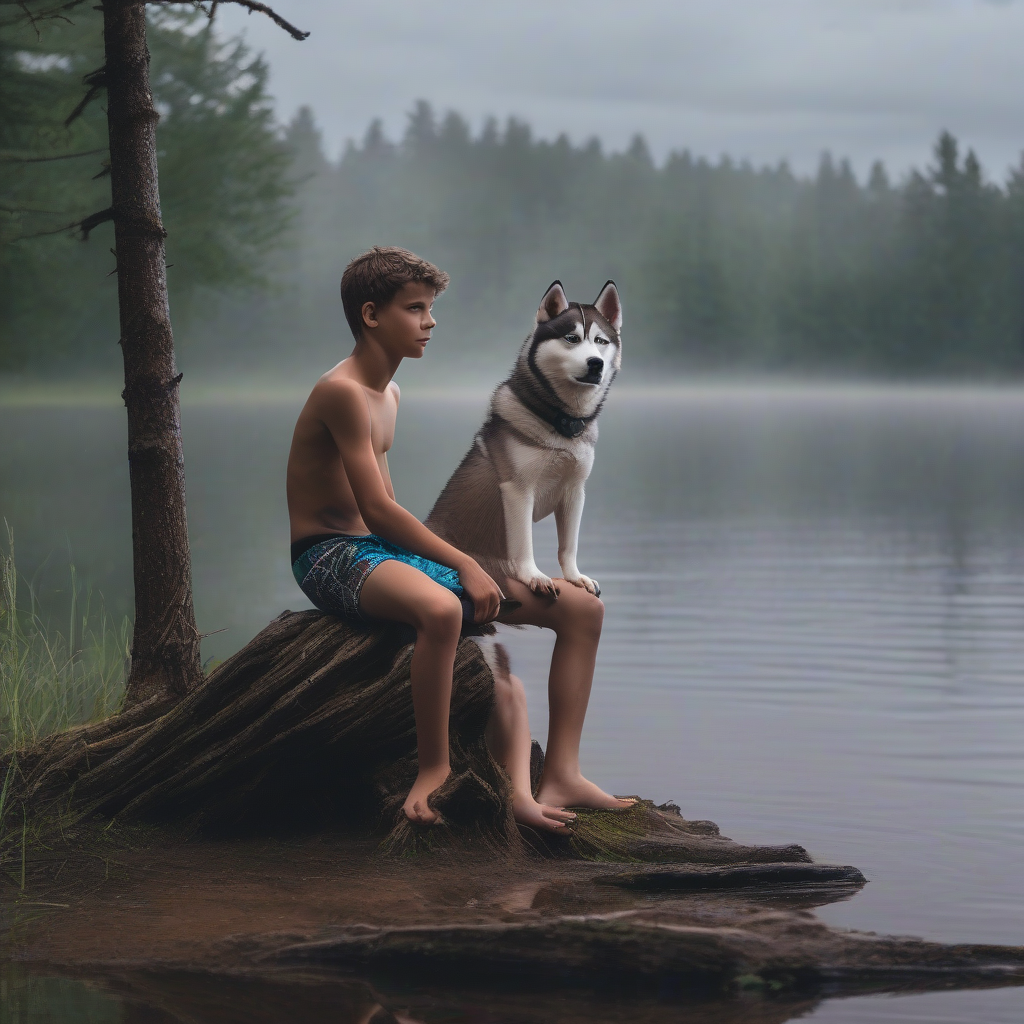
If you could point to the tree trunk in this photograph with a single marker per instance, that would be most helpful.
(165, 647)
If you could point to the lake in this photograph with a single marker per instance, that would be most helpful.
(815, 611)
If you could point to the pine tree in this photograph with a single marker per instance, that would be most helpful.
(165, 643)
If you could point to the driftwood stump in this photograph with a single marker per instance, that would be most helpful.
(311, 725)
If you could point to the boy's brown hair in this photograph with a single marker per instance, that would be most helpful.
(376, 277)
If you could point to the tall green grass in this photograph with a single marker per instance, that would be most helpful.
(55, 676)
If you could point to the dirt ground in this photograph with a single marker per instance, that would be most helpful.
(190, 904)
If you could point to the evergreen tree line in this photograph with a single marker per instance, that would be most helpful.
(721, 265)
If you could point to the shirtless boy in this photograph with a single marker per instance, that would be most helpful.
(357, 552)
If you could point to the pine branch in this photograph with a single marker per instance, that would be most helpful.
(96, 80)
(4, 208)
(86, 225)
(15, 158)
(32, 20)
(250, 6)
(53, 12)
(94, 220)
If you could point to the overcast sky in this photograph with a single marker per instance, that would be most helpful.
(759, 79)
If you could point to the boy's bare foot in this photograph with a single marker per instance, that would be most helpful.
(415, 806)
(579, 792)
(528, 811)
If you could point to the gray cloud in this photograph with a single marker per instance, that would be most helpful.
(783, 79)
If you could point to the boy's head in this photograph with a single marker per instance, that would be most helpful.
(377, 276)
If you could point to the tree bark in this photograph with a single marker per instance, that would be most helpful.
(165, 661)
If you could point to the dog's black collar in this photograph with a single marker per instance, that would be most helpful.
(566, 425)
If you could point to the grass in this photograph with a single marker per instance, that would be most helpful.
(55, 677)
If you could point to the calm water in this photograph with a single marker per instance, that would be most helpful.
(815, 623)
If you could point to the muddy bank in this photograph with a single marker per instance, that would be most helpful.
(331, 907)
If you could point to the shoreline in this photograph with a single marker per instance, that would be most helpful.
(211, 392)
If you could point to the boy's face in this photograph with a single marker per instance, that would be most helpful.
(403, 326)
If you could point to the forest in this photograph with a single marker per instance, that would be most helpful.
(722, 265)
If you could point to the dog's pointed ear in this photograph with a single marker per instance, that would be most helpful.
(609, 306)
(553, 303)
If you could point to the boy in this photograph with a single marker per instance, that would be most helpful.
(357, 552)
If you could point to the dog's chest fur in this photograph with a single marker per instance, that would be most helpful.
(511, 445)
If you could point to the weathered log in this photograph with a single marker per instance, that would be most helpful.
(312, 723)
(791, 949)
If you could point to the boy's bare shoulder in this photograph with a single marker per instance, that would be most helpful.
(335, 394)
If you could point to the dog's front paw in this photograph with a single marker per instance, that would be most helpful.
(586, 583)
(541, 585)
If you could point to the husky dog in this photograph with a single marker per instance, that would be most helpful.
(535, 451)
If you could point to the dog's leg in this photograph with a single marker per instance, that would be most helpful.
(568, 514)
(517, 502)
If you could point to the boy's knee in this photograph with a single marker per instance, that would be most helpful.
(441, 616)
(585, 614)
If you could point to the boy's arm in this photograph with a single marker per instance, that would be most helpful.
(347, 416)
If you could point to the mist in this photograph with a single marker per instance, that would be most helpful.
(724, 268)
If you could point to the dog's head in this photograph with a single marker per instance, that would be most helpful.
(575, 349)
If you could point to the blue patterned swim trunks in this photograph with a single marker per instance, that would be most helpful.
(332, 569)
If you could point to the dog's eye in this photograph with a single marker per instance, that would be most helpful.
(601, 341)
(572, 338)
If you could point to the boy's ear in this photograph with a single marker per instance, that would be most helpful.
(609, 306)
(369, 312)
(553, 303)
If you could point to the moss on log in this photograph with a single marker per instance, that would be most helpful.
(311, 723)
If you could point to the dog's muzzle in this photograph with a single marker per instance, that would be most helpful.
(595, 368)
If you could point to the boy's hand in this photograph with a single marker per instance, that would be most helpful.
(481, 590)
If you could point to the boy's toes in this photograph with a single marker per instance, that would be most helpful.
(420, 814)
(557, 813)
(535, 815)
(546, 823)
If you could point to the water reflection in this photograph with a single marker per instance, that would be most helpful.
(168, 998)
